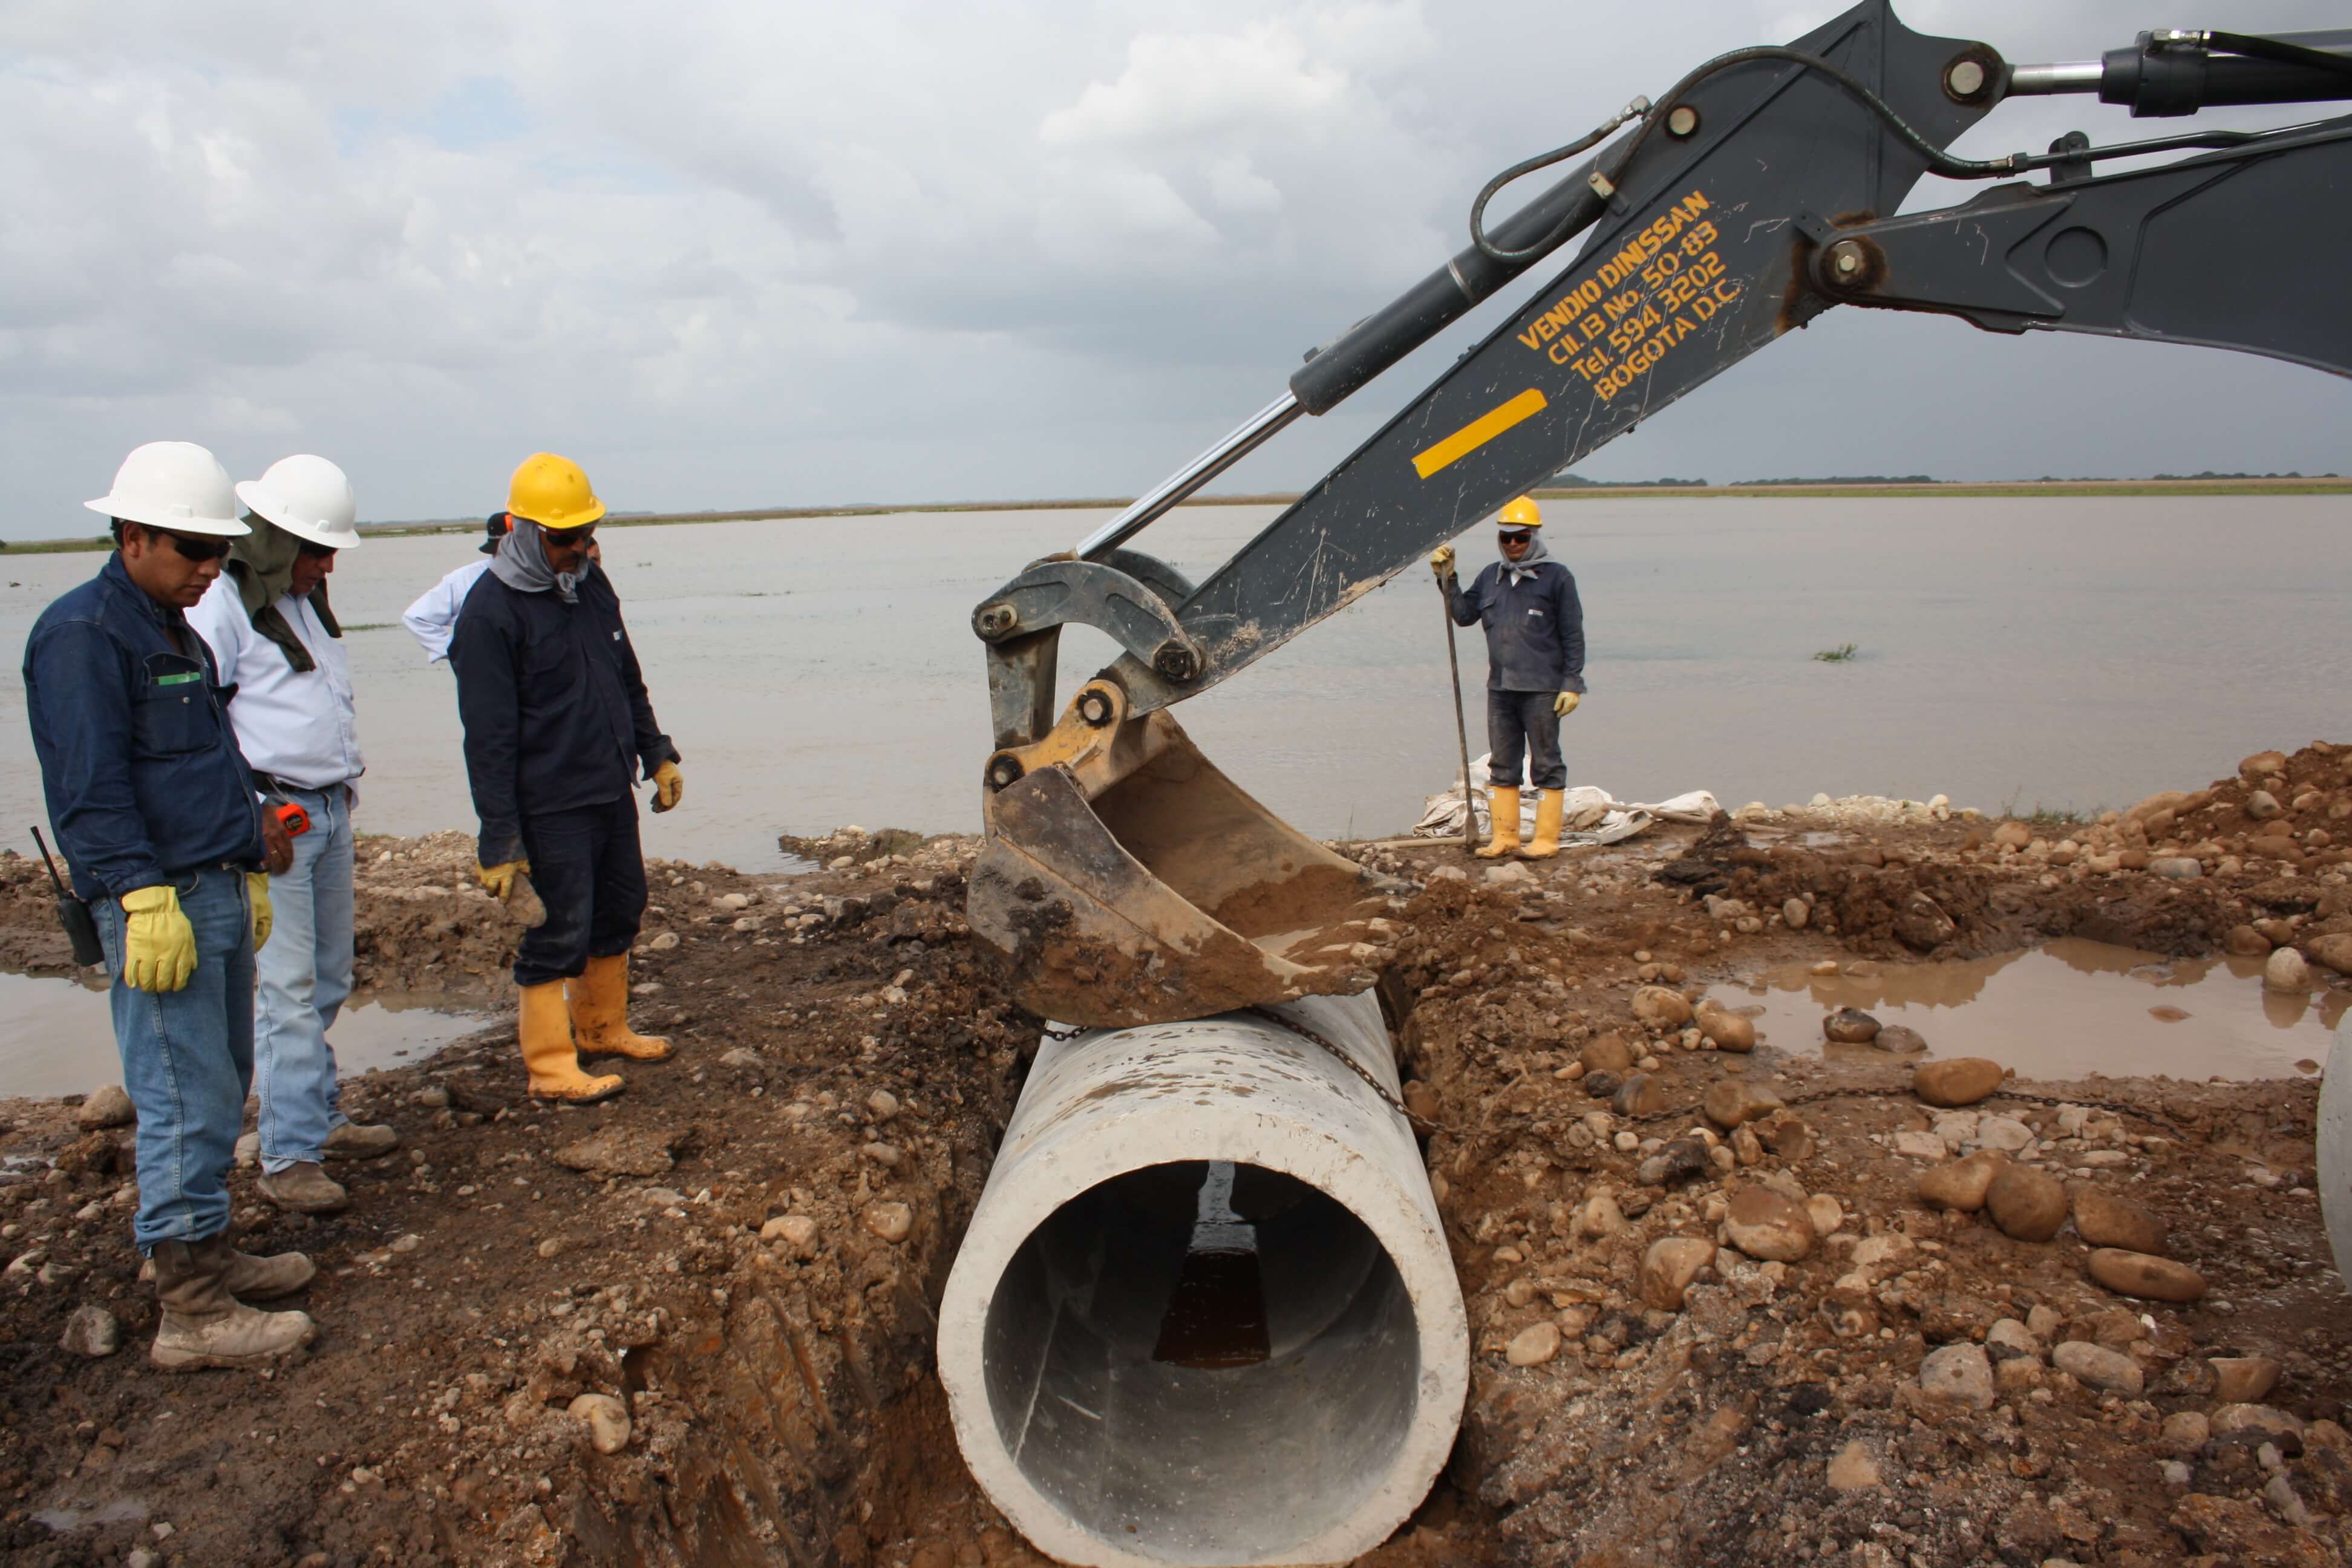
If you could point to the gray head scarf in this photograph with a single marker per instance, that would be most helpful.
(521, 564)
(1525, 566)
(261, 564)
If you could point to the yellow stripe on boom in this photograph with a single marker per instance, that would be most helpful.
(1479, 432)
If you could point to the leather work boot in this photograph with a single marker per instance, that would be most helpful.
(544, 1028)
(600, 1014)
(1550, 806)
(357, 1140)
(304, 1187)
(1503, 805)
(253, 1277)
(202, 1324)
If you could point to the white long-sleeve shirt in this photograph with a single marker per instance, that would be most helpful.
(433, 619)
(297, 725)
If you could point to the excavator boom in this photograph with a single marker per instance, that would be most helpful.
(1128, 881)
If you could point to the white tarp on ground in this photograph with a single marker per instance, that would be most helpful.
(1591, 816)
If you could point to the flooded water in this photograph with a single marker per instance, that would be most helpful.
(2056, 653)
(2069, 1009)
(60, 1036)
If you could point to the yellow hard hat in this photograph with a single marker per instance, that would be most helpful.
(552, 492)
(1520, 513)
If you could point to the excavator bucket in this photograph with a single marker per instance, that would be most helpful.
(1128, 881)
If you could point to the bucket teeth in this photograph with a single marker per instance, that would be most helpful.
(1162, 892)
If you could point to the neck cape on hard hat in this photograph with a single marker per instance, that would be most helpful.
(262, 565)
(521, 564)
(1525, 566)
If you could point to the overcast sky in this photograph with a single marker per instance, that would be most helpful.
(752, 253)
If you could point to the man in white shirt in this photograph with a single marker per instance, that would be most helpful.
(433, 619)
(278, 644)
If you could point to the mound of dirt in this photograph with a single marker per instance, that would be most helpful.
(730, 1272)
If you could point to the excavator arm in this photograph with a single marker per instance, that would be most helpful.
(1129, 881)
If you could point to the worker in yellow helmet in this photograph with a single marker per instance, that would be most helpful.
(1534, 670)
(558, 729)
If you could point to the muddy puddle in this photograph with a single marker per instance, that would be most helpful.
(2069, 1009)
(60, 1040)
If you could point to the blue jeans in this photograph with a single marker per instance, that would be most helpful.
(304, 974)
(1518, 722)
(187, 1060)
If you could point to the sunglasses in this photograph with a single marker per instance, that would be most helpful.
(310, 552)
(1516, 536)
(194, 546)
(564, 537)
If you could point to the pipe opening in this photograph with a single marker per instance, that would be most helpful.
(1211, 1361)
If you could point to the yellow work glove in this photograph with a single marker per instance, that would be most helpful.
(158, 944)
(257, 887)
(1441, 561)
(668, 786)
(1565, 703)
(500, 879)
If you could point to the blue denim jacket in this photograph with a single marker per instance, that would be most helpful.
(139, 764)
(1534, 628)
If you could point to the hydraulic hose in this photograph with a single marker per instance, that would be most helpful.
(2282, 52)
(1549, 221)
(1336, 370)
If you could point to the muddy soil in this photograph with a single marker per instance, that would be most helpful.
(746, 1247)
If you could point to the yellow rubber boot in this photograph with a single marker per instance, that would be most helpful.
(1503, 805)
(547, 1051)
(600, 1014)
(1550, 806)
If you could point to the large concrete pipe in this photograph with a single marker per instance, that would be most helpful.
(1204, 1313)
(2336, 1149)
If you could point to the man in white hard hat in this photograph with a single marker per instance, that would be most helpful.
(275, 638)
(155, 809)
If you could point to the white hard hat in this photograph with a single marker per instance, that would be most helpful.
(176, 485)
(308, 498)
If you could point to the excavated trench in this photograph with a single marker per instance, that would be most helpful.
(785, 1393)
(1193, 1359)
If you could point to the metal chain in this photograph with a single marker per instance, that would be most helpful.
(1350, 1063)
(1530, 1119)
(2114, 1106)
(1891, 1091)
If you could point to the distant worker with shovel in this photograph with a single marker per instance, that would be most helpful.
(1535, 678)
(558, 730)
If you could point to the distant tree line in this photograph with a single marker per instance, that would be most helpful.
(1568, 481)
(2209, 474)
(1849, 480)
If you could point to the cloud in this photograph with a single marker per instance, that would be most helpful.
(758, 253)
(1204, 85)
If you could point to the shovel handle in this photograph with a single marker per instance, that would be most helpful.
(1461, 725)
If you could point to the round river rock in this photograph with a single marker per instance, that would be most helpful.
(1851, 1026)
(1955, 1081)
(2027, 1204)
(2151, 1279)
(2103, 1219)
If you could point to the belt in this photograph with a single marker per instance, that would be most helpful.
(272, 784)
